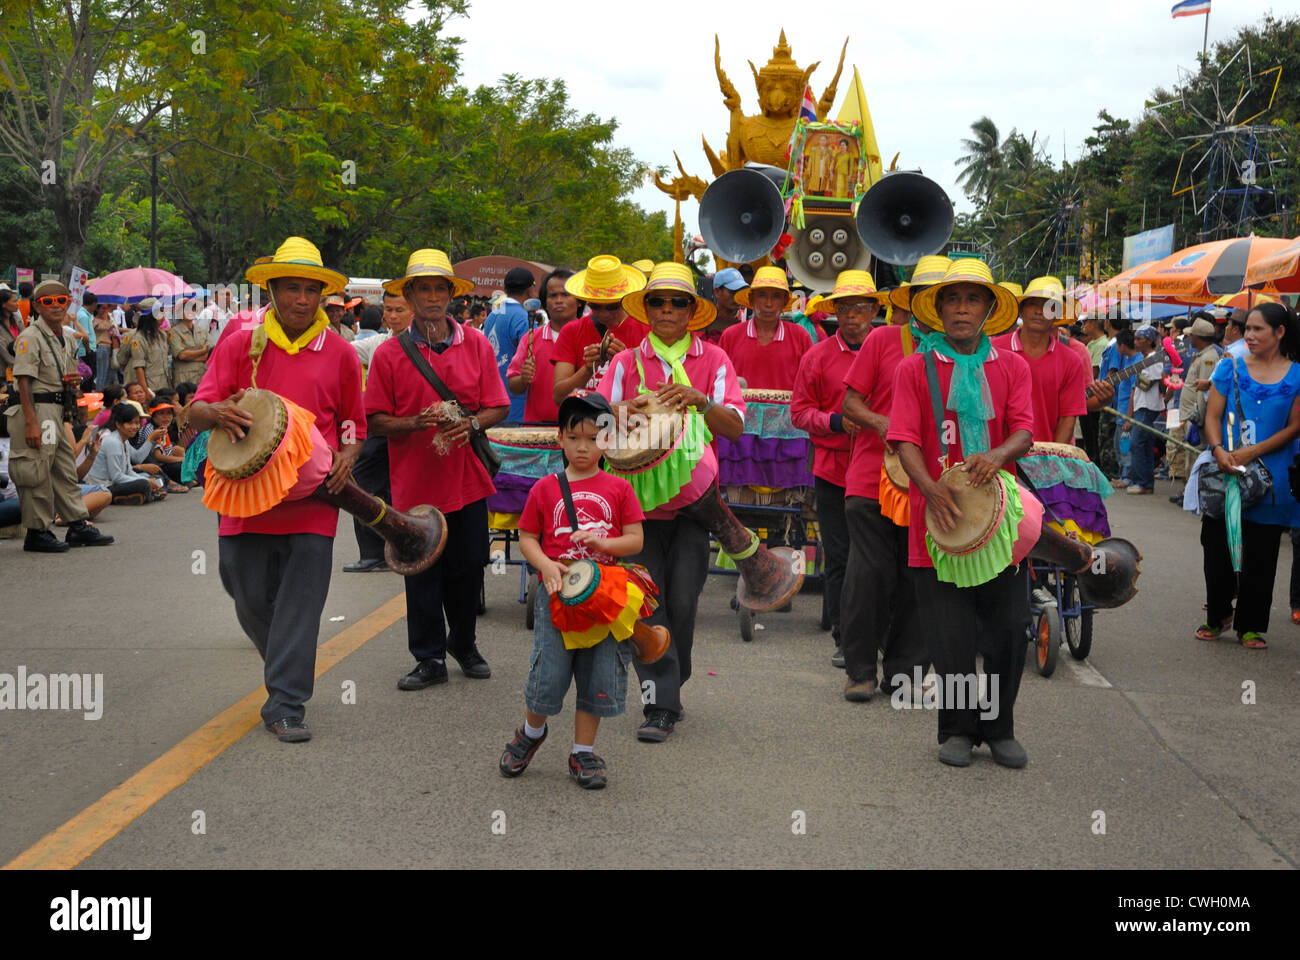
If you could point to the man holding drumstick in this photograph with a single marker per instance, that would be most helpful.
(276, 565)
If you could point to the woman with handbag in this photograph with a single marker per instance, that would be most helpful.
(1251, 424)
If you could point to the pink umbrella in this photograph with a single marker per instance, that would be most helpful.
(137, 283)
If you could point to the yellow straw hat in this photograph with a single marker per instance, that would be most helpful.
(607, 279)
(925, 306)
(855, 283)
(671, 278)
(1049, 288)
(928, 270)
(296, 257)
(429, 263)
(645, 266)
(1014, 287)
(772, 278)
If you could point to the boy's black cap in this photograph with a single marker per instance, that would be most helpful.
(584, 400)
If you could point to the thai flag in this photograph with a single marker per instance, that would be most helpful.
(1191, 8)
(807, 113)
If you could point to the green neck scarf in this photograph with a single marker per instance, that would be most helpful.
(673, 356)
(968, 395)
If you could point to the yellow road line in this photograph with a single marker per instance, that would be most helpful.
(67, 845)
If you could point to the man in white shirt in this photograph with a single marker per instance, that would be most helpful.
(1234, 337)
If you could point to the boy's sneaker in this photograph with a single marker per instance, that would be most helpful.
(587, 770)
(519, 752)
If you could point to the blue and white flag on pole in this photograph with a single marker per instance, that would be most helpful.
(1191, 8)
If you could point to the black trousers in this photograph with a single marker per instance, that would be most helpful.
(834, 531)
(1107, 460)
(449, 588)
(1090, 424)
(1295, 568)
(132, 492)
(878, 604)
(371, 474)
(279, 584)
(1253, 586)
(990, 619)
(676, 552)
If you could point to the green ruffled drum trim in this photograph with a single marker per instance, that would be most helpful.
(659, 484)
(1048, 471)
(986, 563)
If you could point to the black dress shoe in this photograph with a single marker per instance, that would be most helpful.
(366, 566)
(472, 664)
(426, 674)
(83, 534)
(43, 541)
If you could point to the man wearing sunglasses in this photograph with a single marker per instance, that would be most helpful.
(42, 464)
(583, 349)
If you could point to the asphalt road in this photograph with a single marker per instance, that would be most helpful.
(1150, 738)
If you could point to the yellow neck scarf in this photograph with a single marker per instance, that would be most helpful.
(275, 333)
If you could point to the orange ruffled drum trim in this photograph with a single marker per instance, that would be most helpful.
(614, 607)
(266, 488)
(893, 502)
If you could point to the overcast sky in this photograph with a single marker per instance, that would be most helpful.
(929, 70)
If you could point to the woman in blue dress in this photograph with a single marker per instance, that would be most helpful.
(1268, 383)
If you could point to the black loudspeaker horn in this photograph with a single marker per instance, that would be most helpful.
(905, 217)
(825, 246)
(742, 215)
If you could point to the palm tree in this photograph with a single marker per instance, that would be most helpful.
(982, 162)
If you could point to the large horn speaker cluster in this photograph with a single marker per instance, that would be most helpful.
(901, 219)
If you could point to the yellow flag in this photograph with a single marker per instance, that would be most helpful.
(855, 110)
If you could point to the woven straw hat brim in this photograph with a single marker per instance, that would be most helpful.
(459, 285)
(705, 312)
(1006, 307)
(577, 285)
(331, 280)
(880, 296)
(742, 297)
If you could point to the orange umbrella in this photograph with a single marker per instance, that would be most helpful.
(1118, 286)
(1244, 300)
(1206, 271)
(1278, 271)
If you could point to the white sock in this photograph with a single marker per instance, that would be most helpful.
(531, 732)
(582, 748)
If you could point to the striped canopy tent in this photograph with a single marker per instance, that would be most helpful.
(1279, 271)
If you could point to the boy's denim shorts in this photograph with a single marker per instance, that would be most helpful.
(600, 671)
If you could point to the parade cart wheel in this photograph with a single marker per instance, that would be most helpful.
(482, 598)
(747, 619)
(1046, 639)
(1078, 630)
(528, 602)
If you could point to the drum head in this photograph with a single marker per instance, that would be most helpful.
(242, 459)
(981, 511)
(579, 583)
(894, 470)
(652, 433)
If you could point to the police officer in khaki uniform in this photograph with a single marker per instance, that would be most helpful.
(147, 363)
(41, 461)
(190, 345)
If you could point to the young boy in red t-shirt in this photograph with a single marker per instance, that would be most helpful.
(609, 526)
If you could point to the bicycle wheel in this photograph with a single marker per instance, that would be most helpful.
(1047, 640)
(1078, 630)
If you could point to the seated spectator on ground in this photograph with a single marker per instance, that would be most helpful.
(113, 467)
(85, 440)
(113, 394)
(166, 452)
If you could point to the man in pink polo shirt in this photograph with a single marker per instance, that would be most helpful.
(985, 423)
(431, 461)
(532, 370)
(815, 408)
(766, 351)
(682, 371)
(1060, 378)
(276, 565)
(584, 348)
